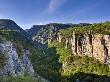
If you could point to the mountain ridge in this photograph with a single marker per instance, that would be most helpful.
(41, 33)
(67, 57)
(11, 25)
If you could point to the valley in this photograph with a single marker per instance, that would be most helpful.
(55, 52)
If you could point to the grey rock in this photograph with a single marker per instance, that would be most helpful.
(15, 66)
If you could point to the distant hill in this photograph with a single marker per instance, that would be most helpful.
(8, 24)
(41, 33)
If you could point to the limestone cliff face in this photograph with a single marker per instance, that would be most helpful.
(15, 65)
(59, 37)
(92, 45)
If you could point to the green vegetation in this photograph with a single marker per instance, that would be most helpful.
(2, 60)
(73, 66)
(19, 48)
(15, 37)
(101, 28)
(45, 62)
(19, 43)
(18, 79)
(67, 32)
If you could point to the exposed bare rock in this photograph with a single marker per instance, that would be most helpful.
(66, 43)
(59, 39)
(87, 46)
(92, 45)
(74, 43)
(15, 65)
(41, 33)
(98, 47)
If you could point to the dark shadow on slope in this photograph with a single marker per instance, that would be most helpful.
(46, 64)
(86, 77)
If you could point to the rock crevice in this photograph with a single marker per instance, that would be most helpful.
(92, 45)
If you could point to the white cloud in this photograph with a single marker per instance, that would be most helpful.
(40, 23)
(54, 5)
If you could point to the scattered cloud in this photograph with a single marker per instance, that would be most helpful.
(40, 23)
(54, 5)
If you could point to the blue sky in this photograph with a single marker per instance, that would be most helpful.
(31, 12)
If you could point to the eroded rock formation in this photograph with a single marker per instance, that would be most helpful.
(92, 45)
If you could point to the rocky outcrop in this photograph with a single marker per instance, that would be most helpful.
(41, 33)
(15, 65)
(59, 38)
(92, 45)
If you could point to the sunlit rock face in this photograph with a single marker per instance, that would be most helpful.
(81, 44)
(67, 43)
(98, 48)
(74, 43)
(101, 47)
(15, 65)
(92, 45)
(59, 38)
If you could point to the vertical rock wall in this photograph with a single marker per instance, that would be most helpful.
(92, 45)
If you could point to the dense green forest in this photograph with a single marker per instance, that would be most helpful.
(101, 28)
(18, 79)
